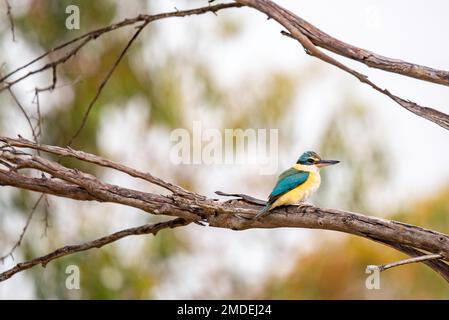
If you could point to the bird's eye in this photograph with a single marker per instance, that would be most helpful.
(311, 161)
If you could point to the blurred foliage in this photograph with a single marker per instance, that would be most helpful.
(336, 269)
(172, 89)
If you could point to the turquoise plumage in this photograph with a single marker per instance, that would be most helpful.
(297, 183)
(287, 181)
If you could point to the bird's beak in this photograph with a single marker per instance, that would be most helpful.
(324, 163)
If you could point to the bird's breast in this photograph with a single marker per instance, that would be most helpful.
(312, 184)
(302, 192)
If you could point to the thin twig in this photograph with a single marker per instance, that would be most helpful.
(75, 184)
(431, 114)
(50, 65)
(22, 109)
(51, 87)
(295, 30)
(46, 218)
(24, 230)
(88, 157)
(105, 81)
(92, 35)
(11, 20)
(438, 266)
(97, 243)
(369, 58)
(242, 196)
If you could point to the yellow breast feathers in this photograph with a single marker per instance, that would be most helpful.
(303, 191)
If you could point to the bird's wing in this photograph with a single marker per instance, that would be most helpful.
(288, 180)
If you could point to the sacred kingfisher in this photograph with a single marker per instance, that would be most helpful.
(296, 184)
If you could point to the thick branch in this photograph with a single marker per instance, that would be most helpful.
(24, 230)
(98, 190)
(97, 243)
(234, 214)
(369, 58)
(87, 37)
(91, 158)
(11, 20)
(304, 32)
(290, 22)
(437, 265)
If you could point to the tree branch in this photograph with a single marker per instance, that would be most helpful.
(97, 243)
(11, 20)
(369, 58)
(438, 266)
(91, 158)
(234, 214)
(92, 35)
(427, 246)
(10, 253)
(295, 26)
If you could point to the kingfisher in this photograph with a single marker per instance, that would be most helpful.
(296, 184)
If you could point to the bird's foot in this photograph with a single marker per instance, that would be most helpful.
(304, 205)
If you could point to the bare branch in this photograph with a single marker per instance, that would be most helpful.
(438, 266)
(48, 186)
(24, 230)
(98, 243)
(234, 214)
(369, 58)
(105, 81)
(308, 35)
(422, 258)
(87, 37)
(50, 87)
(50, 65)
(242, 196)
(22, 109)
(88, 157)
(296, 31)
(39, 123)
(188, 206)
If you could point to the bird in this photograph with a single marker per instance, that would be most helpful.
(296, 184)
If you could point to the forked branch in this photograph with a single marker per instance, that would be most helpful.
(97, 243)
(233, 214)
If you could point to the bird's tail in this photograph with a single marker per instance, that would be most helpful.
(263, 212)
